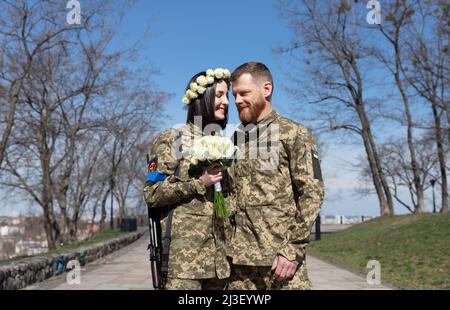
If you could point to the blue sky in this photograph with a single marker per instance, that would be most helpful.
(190, 36)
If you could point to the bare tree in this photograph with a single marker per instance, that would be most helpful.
(74, 90)
(129, 185)
(399, 171)
(20, 45)
(35, 38)
(397, 17)
(335, 82)
(126, 135)
(427, 71)
(83, 190)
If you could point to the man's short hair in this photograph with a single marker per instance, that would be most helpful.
(257, 70)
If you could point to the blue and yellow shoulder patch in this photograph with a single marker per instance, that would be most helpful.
(152, 171)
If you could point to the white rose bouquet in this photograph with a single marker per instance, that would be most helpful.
(215, 150)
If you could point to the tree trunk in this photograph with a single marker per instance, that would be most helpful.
(65, 222)
(94, 214)
(9, 125)
(415, 167)
(375, 177)
(388, 210)
(46, 192)
(122, 208)
(48, 226)
(384, 194)
(103, 215)
(73, 229)
(441, 157)
(379, 181)
(447, 113)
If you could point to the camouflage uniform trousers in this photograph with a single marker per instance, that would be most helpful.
(196, 284)
(261, 278)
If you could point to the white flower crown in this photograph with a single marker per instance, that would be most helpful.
(202, 82)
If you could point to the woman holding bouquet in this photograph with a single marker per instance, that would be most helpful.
(197, 258)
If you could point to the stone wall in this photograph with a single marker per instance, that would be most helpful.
(22, 273)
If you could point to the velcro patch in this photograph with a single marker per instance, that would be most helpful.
(316, 165)
(152, 165)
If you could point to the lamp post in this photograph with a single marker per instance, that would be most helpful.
(433, 182)
(317, 235)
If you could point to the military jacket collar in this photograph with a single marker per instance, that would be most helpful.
(260, 126)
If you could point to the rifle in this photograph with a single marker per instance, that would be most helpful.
(159, 249)
(155, 247)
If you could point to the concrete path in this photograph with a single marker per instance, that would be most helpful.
(326, 276)
(128, 269)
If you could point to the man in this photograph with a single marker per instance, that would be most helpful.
(279, 189)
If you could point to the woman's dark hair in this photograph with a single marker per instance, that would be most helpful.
(204, 105)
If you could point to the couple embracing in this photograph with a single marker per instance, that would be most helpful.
(273, 196)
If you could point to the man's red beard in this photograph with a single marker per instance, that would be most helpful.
(250, 113)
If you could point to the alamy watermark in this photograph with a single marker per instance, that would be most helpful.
(374, 275)
(74, 15)
(73, 277)
(374, 15)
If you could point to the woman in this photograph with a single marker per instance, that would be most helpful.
(197, 258)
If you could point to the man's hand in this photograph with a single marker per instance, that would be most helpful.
(283, 268)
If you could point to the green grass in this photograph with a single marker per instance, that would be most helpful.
(413, 250)
(101, 237)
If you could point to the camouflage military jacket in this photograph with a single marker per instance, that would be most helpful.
(279, 192)
(197, 249)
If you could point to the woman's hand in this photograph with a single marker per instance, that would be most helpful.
(211, 175)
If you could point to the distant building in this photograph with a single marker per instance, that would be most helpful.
(11, 230)
(30, 247)
(327, 219)
(21, 236)
(343, 219)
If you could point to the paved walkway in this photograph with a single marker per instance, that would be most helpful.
(128, 269)
(325, 276)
